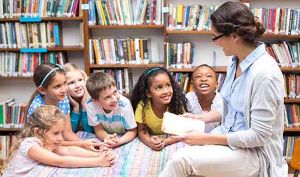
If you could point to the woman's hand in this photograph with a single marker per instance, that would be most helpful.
(189, 115)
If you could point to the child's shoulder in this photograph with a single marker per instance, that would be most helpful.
(28, 142)
(124, 102)
(191, 95)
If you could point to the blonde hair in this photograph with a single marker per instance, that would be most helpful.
(69, 67)
(42, 118)
(97, 82)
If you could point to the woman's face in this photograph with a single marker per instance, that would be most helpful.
(225, 42)
(75, 84)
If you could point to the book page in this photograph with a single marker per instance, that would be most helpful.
(178, 125)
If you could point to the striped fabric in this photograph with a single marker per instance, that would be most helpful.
(135, 159)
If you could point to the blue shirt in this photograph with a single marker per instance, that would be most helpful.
(233, 92)
(38, 101)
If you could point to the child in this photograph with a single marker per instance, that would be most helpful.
(109, 112)
(39, 141)
(155, 93)
(204, 98)
(50, 81)
(78, 96)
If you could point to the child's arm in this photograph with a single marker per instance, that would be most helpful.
(40, 154)
(76, 151)
(100, 132)
(68, 132)
(128, 136)
(116, 141)
(153, 142)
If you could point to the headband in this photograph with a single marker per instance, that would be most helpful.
(147, 72)
(57, 66)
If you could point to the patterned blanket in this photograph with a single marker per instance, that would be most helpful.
(135, 159)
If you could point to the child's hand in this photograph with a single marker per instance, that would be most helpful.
(92, 145)
(74, 104)
(112, 140)
(84, 99)
(156, 143)
(107, 158)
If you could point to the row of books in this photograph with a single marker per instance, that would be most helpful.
(288, 147)
(12, 115)
(292, 88)
(40, 8)
(285, 53)
(119, 51)
(293, 115)
(23, 64)
(122, 77)
(29, 35)
(179, 55)
(5, 144)
(125, 12)
(189, 17)
(279, 20)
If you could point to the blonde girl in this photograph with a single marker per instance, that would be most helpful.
(50, 81)
(40, 142)
(78, 95)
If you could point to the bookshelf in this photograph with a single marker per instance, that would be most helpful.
(204, 50)
(46, 32)
(77, 48)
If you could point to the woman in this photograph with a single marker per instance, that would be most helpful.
(249, 141)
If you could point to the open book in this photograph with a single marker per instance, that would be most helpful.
(178, 125)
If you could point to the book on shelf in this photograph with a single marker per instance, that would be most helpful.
(179, 55)
(39, 8)
(5, 144)
(178, 125)
(279, 20)
(189, 17)
(285, 53)
(119, 51)
(125, 12)
(29, 35)
(12, 115)
(23, 64)
(123, 79)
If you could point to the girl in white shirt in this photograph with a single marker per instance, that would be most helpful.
(40, 142)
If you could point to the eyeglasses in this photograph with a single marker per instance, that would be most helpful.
(217, 37)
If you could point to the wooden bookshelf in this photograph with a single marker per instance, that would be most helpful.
(16, 19)
(9, 131)
(126, 26)
(125, 66)
(49, 49)
(188, 32)
(218, 69)
(16, 77)
(292, 101)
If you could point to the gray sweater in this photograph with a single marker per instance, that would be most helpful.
(264, 117)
